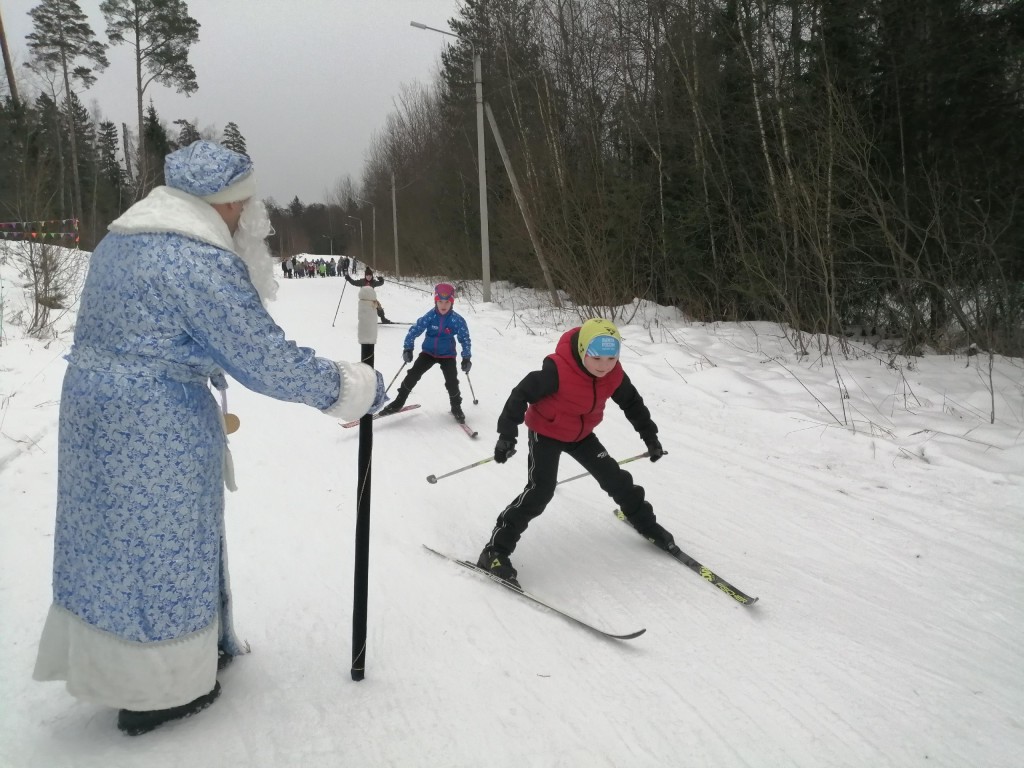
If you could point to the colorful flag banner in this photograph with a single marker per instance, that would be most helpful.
(63, 230)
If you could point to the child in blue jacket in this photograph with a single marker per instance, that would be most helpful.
(442, 325)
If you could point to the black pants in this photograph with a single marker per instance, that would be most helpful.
(542, 476)
(423, 364)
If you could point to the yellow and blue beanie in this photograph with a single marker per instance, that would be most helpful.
(599, 338)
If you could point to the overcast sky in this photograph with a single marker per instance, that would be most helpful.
(307, 81)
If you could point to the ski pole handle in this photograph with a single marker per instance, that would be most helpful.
(643, 455)
(432, 479)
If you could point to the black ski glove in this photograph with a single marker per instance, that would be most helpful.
(504, 449)
(407, 355)
(654, 448)
(466, 364)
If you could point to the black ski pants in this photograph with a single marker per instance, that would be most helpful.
(542, 476)
(424, 363)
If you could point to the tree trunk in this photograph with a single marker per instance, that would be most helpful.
(8, 64)
(76, 192)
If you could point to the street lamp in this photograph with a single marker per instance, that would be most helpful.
(331, 238)
(374, 231)
(362, 251)
(485, 247)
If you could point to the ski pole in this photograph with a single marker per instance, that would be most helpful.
(643, 455)
(396, 376)
(343, 287)
(475, 401)
(434, 478)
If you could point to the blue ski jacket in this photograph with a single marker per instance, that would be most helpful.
(441, 333)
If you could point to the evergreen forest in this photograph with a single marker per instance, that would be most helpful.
(840, 166)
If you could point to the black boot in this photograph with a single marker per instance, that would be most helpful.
(135, 723)
(457, 410)
(657, 535)
(224, 659)
(646, 524)
(397, 404)
(497, 564)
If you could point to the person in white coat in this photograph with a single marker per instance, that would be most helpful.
(172, 301)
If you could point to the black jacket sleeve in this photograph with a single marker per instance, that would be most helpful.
(534, 386)
(629, 400)
(351, 280)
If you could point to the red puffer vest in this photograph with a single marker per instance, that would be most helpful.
(572, 413)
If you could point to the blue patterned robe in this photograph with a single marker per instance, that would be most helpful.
(140, 583)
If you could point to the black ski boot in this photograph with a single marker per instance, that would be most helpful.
(397, 404)
(498, 564)
(224, 659)
(657, 535)
(456, 404)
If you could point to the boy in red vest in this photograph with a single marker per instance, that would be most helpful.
(562, 403)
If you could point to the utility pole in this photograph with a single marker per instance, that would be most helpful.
(374, 229)
(481, 159)
(485, 241)
(362, 250)
(394, 220)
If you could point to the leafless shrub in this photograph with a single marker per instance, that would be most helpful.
(52, 276)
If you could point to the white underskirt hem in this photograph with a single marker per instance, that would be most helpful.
(104, 669)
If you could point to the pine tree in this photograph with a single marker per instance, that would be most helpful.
(107, 147)
(161, 32)
(233, 139)
(188, 133)
(157, 144)
(61, 36)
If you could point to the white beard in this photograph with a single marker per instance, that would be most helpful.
(250, 244)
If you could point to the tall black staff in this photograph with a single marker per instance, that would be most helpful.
(367, 340)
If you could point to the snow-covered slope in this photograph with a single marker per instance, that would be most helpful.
(865, 499)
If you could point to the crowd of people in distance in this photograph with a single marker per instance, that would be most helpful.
(319, 267)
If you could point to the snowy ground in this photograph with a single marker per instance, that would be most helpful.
(882, 530)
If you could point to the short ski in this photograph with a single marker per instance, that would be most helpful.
(702, 571)
(376, 416)
(467, 429)
(477, 569)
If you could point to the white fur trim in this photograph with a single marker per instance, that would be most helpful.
(358, 389)
(170, 210)
(242, 189)
(104, 669)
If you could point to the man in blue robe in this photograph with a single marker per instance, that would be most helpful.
(172, 302)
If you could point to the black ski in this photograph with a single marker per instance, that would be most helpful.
(477, 569)
(376, 416)
(702, 571)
